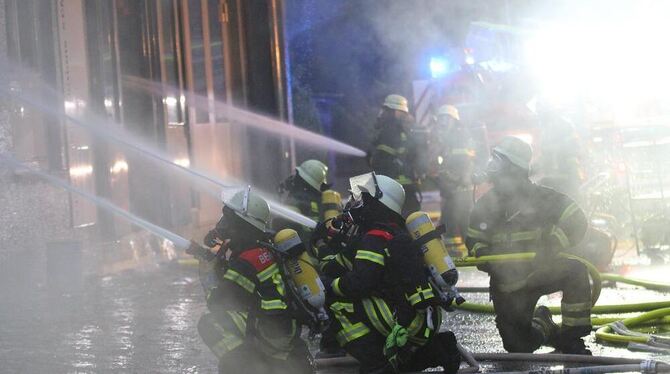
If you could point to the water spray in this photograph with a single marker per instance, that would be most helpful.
(121, 138)
(237, 115)
(105, 204)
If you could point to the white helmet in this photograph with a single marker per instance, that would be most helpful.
(385, 189)
(251, 208)
(517, 151)
(313, 172)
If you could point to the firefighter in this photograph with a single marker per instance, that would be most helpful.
(304, 188)
(249, 327)
(394, 151)
(455, 153)
(517, 215)
(384, 308)
(560, 162)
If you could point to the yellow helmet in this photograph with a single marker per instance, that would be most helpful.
(448, 110)
(313, 172)
(516, 151)
(396, 102)
(251, 208)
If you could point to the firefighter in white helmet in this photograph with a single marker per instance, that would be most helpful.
(517, 215)
(378, 290)
(249, 326)
(393, 150)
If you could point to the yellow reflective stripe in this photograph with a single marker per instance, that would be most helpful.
(570, 210)
(370, 256)
(279, 283)
(267, 273)
(384, 310)
(343, 261)
(226, 345)
(576, 321)
(372, 316)
(275, 304)
(559, 234)
(352, 333)
(315, 207)
(420, 295)
(416, 323)
(240, 280)
(240, 320)
(478, 246)
(336, 287)
(452, 240)
(329, 258)
(576, 307)
(403, 179)
(517, 236)
(390, 150)
(349, 331)
(476, 234)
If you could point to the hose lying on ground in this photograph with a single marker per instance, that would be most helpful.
(655, 286)
(633, 364)
(642, 368)
(598, 309)
(618, 332)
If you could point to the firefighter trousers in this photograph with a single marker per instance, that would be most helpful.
(241, 348)
(514, 310)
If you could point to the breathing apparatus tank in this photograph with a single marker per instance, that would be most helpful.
(442, 268)
(303, 276)
(331, 203)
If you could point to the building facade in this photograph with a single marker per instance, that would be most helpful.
(155, 69)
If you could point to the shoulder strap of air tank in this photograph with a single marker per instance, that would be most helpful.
(435, 234)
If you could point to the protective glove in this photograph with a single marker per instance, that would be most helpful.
(200, 252)
(212, 238)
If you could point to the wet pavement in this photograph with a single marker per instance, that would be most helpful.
(145, 322)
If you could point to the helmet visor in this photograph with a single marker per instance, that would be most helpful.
(364, 183)
(496, 163)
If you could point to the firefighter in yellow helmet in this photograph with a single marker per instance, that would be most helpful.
(517, 215)
(304, 188)
(393, 150)
(249, 326)
(453, 152)
(384, 309)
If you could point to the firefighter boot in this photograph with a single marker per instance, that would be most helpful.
(543, 322)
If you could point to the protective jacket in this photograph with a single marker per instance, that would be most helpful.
(393, 153)
(545, 222)
(252, 292)
(373, 294)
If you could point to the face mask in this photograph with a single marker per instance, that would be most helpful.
(495, 165)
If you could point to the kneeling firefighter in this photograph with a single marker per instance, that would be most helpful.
(517, 215)
(385, 309)
(303, 189)
(249, 327)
